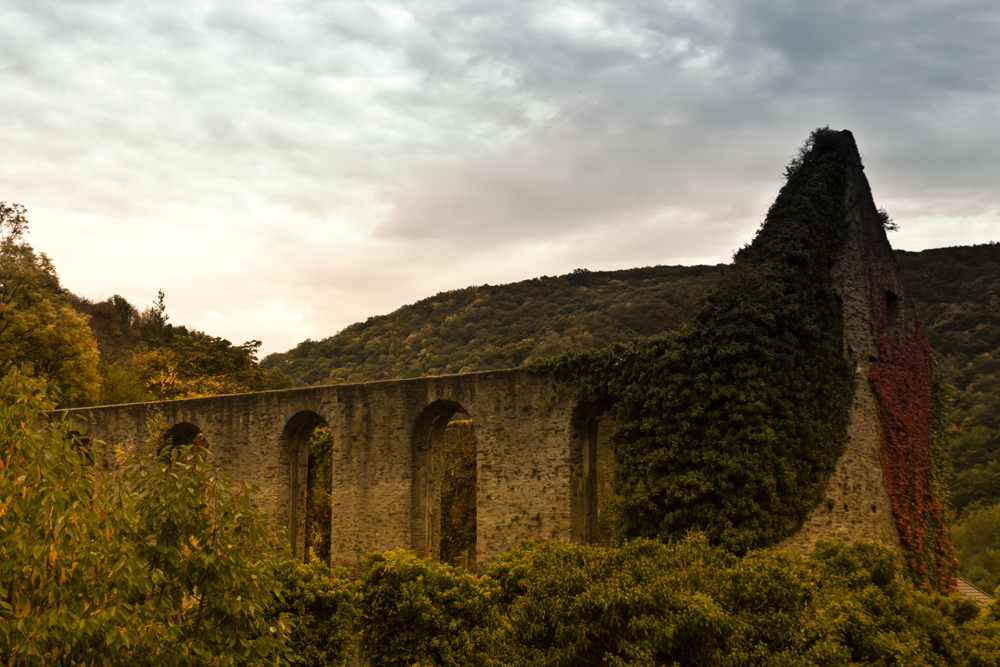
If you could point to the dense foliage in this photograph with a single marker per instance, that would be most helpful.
(39, 329)
(145, 358)
(685, 603)
(417, 612)
(733, 424)
(320, 604)
(153, 565)
(489, 327)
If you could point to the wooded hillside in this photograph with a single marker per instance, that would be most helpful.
(489, 327)
(958, 298)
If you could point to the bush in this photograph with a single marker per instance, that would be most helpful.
(321, 606)
(553, 604)
(416, 612)
(691, 603)
(574, 605)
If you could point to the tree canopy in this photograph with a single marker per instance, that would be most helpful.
(153, 565)
(39, 328)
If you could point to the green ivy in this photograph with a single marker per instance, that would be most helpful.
(733, 424)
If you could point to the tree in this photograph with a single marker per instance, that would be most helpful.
(152, 565)
(39, 328)
(144, 358)
(13, 222)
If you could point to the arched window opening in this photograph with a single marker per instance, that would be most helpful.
(180, 435)
(443, 501)
(319, 484)
(592, 462)
(458, 493)
(308, 492)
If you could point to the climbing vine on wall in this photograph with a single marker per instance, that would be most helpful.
(458, 494)
(913, 456)
(733, 424)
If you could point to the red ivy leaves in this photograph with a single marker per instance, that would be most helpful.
(901, 380)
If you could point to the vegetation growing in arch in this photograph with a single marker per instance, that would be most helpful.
(458, 494)
(319, 504)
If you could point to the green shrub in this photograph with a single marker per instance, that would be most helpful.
(643, 603)
(691, 603)
(554, 604)
(321, 605)
(416, 612)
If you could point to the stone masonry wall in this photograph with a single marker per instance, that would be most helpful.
(384, 495)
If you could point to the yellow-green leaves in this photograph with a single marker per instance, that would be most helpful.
(40, 330)
(152, 566)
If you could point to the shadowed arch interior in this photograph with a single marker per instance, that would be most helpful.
(295, 439)
(425, 502)
(591, 467)
(181, 434)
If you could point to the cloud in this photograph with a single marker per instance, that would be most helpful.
(283, 169)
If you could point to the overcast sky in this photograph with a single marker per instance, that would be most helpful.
(282, 169)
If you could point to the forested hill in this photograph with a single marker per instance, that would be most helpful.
(958, 298)
(490, 327)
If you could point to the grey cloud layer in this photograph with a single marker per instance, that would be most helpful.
(339, 159)
(647, 125)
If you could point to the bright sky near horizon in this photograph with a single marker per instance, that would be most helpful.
(283, 168)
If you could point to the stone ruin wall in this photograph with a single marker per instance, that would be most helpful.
(856, 506)
(534, 462)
